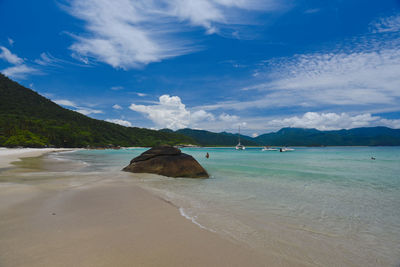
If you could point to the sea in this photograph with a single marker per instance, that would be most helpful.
(324, 206)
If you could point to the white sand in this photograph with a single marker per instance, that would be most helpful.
(9, 155)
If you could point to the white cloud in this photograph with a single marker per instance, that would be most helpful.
(77, 108)
(319, 120)
(11, 58)
(228, 118)
(19, 71)
(141, 94)
(46, 59)
(388, 24)
(332, 121)
(171, 113)
(116, 106)
(201, 115)
(132, 33)
(254, 135)
(368, 77)
(88, 111)
(65, 102)
(120, 122)
(361, 75)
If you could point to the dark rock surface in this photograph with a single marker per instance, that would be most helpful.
(167, 161)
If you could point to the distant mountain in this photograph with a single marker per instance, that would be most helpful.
(371, 136)
(31, 120)
(206, 138)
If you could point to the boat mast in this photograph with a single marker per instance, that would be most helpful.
(239, 135)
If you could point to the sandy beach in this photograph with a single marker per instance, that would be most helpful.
(7, 155)
(106, 223)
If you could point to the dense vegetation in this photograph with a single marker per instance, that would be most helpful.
(373, 136)
(31, 120)
(206, 138)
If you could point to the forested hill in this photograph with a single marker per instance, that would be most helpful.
(31, 120)
(367, 136)
(372, 136)
(206, 138)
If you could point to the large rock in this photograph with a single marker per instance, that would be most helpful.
(167, 161)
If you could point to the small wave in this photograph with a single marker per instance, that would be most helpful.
(58, 156)
(193, 220)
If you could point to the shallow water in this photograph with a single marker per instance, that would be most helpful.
(319, 206)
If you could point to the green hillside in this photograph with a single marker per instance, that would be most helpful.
(206, 138)
(31, 120)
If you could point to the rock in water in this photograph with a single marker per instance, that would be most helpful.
(167, 161)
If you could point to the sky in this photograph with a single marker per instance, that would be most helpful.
(210, 64)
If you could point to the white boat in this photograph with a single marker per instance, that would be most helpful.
(266, 148)
(286, 149)
(239, 146)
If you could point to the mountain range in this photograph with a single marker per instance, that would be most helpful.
(367, 136)
(31, 120)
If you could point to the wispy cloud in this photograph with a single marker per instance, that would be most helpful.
(332, 121)
(78, 108)
(130, 34)
(361, 74)
(65, 102)
(88, 111)
(19, 71)
(116, 106)
(358, 77)
(120, 122)
(388, 24)
(317, 120)
(22, 68)
(46, 59)
(11, 58)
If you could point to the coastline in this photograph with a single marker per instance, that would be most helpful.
(9, 155)
(106, 222)
(105, 217)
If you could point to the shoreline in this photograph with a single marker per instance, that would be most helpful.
(138, 213)
(10, 155)
(105, 222)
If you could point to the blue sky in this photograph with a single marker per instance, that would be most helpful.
(210, 64)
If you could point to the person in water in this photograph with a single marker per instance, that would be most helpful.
(207, 155)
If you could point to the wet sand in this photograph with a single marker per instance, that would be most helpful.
(109, 222)
(7, 155)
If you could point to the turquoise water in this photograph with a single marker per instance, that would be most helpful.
(319, 206)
